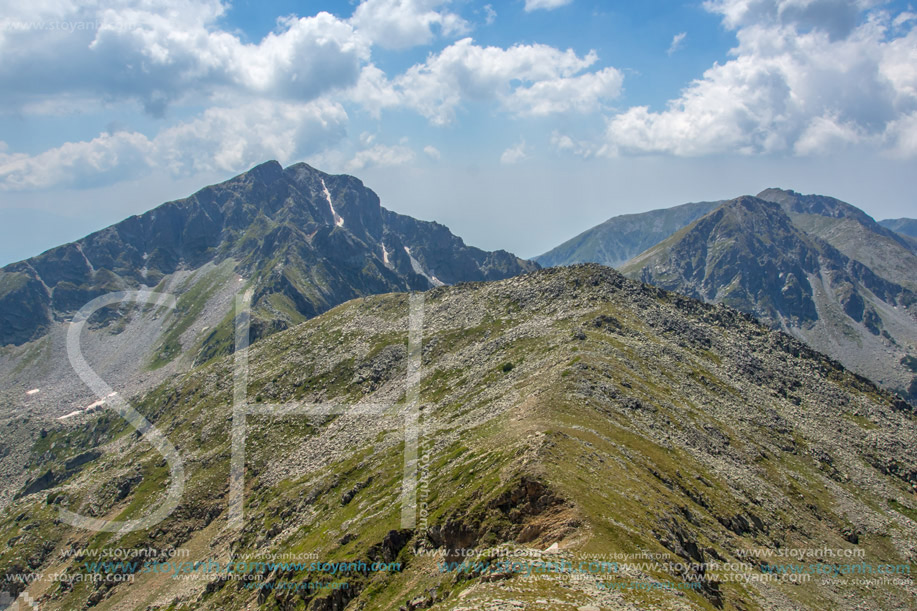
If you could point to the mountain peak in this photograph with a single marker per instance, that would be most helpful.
(752, 202)
(266, 172)
(307, 241)
(776, 194)
(821, 205)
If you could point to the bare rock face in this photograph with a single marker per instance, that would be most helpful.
(304, 240)
(750, 254)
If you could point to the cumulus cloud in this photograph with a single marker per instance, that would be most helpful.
(827, 134)
(162, 52)
(514, 154)
(108, 158)
(399, 24)
(677, 42)
(231, 139)
(281, 97)
(220, 139)
(835, 17)
(583, 94)
(547, 5)
(902, 136)
(374, 91)
(787, 88)
(432, 152)
(381, 155)
(523, 79)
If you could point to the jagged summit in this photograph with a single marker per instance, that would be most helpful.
(751, 254)
(307, 238)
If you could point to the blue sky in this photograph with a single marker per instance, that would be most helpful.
(518, 123)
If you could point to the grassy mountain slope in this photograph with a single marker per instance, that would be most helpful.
(569, 406)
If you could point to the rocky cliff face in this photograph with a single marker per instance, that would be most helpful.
(567, 418)
(304, 240)
(751, 255)
(853, 232)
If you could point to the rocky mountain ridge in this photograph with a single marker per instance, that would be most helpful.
(567, 416)
(302, 241)
(818, 267)
(903, 226)
(308, 240)
(750, 254)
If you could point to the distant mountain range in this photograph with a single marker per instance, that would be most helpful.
(623, 237)
(814, 266)
(903, 226)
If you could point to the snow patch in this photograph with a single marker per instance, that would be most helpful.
(32, 392)
(338, 221)
(418, 269)
(92, 269)
(385, 255)
(89, 408)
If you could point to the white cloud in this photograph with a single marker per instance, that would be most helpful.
(432, 152)
(565, 143)
(826, 135)
(901, 135)
(548, 5)
(523, 79)
(786, 89)
(281, 97)
(220, 139)
(108, 158)
(490, 15)
(231, 139)
(583, 93)
(163, 52)
(399, 24)
(836, 17)
(514, 154)
(373, 91)
(678, 42)
(381, 155)
(904, 18)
